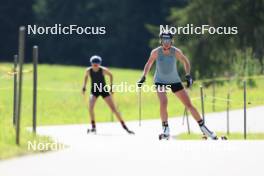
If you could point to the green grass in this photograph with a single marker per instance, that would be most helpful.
(8, 147)
(60, 100)
(231, 136)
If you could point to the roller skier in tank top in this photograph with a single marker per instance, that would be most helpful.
(97, 74)
(166, 75)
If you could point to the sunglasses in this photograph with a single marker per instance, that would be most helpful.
(166, 40)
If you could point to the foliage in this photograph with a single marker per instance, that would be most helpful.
(125, 43)
(216, 51)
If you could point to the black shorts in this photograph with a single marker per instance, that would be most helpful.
(175, 87)
(103, 94)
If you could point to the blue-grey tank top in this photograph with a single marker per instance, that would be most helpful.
(166, 68)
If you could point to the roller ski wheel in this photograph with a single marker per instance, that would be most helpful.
(164, 136)
(224, 138)
(204, 137)
(215, 138)
(91, 131)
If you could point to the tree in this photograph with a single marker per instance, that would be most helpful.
(216, 51)
(12, 15)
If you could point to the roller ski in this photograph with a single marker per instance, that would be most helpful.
(165, 134)
(204, 137)
(223, 138)
(206, 132)
(209, 134)
(130, 132)
(91, 131)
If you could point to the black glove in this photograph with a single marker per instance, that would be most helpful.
(141, 81)
(83, 89)
(189, 80)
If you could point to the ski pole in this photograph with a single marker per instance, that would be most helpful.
(183, 117)
(139, 106)
(112, 115)
(188, 124)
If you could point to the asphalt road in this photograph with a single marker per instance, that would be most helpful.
(113, 152)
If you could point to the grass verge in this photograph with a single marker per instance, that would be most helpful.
(8, 147)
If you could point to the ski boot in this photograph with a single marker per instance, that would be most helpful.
(165, 134)
(91, 131)
(208, 133)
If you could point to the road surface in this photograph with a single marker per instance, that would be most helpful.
(113, 152)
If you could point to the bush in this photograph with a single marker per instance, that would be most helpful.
(245, 65)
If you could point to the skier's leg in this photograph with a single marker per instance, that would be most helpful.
(163, 105)
(92, 102)
(185, 99)
(162, 95)
(163, 100)
(109, 101)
